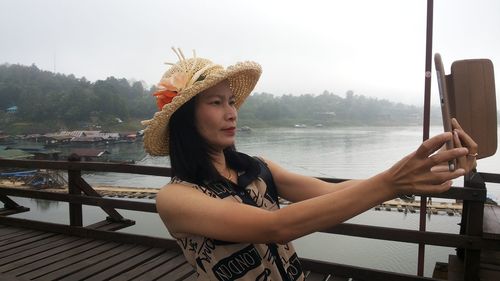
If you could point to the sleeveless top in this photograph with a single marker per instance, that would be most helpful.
(223, 261)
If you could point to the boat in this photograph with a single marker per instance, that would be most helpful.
(245, 129)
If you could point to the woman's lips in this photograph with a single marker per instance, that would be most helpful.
(230, 130)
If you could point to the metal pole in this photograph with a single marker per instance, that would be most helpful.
(427, 108)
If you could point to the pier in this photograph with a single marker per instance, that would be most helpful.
(102, 190)
(435, 208)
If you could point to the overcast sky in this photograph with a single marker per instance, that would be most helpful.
(374, 48)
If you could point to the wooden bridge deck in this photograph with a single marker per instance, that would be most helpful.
(35, 255)
(28, 254)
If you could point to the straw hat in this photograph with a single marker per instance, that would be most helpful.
(184, 80)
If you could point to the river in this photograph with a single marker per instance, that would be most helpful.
(347, 152)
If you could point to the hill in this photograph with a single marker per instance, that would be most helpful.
(47, 101)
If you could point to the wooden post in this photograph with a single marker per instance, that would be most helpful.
(472, 224)
(75, 209)
(427, 102)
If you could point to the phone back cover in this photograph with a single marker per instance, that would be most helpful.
(471, 88)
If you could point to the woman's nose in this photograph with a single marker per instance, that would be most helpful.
(231, 113)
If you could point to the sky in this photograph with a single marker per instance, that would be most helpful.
(373, 48)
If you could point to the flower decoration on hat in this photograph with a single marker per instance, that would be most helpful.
(171, 86)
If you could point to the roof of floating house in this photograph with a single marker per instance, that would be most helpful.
(89, 152)
(87, 139)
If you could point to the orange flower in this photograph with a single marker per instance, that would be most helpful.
(176, 82)
(164, 97)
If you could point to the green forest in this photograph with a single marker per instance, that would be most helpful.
(45, 101)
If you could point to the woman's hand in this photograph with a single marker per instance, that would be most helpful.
(414, 174)
(462, 139)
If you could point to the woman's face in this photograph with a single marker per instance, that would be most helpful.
(216, 115)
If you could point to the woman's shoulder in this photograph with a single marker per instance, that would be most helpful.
(174, 185)
(178, 186)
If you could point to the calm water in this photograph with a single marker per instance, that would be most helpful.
(353, 152)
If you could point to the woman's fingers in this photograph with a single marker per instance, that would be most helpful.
(462, 161)
(445, 156)
(455, 124)
(441, 168)
(462, 139)
(466, 140)
(421, 171)
(433, 144)
(440, 182)
(432, 188)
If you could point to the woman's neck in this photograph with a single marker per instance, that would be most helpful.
(220, 164)
(219, 161)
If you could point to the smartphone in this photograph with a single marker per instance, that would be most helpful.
(445, 104)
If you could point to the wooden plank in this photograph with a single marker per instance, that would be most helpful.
(406, 235)
(9, 277)
(491, 257)
(490, 177)
(88, 190)
(37, 246)
(487, 274)
(145, 267)
(75, 209)
(338, 278)
(107, 263)
(93, 201)
(162, 269)
(178, 274)
(87, 166)
(313, 276)
(69, 257)
(7, 250)
(42, 256)
(7, 229)
(491, 222)
(474, 227)
(130, 263)
(488, 266)
(356, 272)
(455, 268)
(21, 240)
(9, 203)
(12, 211)
(83, 260)
(93, 233)
(4, 239)
(107, 225)
(192, 277)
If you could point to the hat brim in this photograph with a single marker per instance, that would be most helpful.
(242, 78)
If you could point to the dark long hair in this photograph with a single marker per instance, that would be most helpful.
(189, 152)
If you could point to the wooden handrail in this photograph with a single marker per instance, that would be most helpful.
(460, 193)
(82, 193)
(357, 230)
(87, 166)
(81, 199)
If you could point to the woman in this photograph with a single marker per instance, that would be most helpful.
(222, 205)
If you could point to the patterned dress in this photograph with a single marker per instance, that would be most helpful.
(224, 261)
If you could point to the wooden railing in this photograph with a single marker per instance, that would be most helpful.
(469, 242)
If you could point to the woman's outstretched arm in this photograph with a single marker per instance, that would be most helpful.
(186, 211)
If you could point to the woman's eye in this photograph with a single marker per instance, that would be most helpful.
(232, 102)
